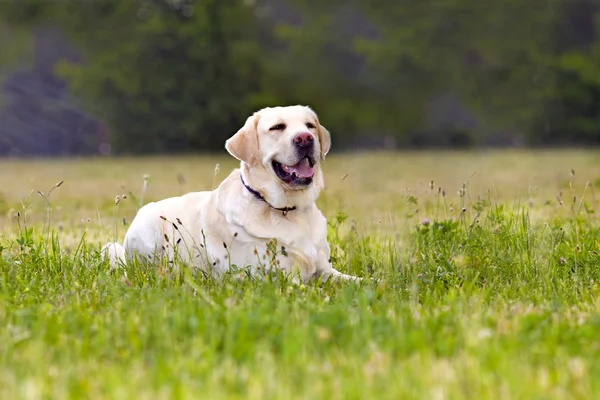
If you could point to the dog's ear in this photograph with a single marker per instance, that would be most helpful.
(325, 140)
(324, 136)
(244, 144)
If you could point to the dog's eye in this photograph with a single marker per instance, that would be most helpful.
(278, 127)
(310, 125)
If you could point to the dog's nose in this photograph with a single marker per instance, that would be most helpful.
(304, 139)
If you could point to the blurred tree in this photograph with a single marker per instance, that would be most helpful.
(571, 112)
(177, 75)
(492, 54)
(168, 75)
(165, 74)
(312, 60)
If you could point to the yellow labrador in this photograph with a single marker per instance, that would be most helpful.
(261, 217)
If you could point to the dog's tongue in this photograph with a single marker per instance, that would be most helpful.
(302, 169)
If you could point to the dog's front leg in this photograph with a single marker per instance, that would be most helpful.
(338, 276)
(325, 268)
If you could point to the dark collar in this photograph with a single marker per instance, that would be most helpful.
(259, 196)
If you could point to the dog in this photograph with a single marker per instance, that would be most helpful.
(261, 218)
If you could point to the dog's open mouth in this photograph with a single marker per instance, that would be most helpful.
(299, 174)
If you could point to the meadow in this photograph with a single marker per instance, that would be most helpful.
(488, 261)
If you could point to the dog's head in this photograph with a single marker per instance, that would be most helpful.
(287, 143)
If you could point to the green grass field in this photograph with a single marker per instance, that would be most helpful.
(489, 263)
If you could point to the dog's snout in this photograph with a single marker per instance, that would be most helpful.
(304, 139)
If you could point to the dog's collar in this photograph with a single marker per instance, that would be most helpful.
(259, 196)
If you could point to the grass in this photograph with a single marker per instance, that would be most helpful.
(490, 286)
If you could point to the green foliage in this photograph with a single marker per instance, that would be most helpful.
(183, 75)
(487, 298)
(14, 42)
(572, 115)
(164, 77)
(496, 297)
(177, 78)
(473, 48)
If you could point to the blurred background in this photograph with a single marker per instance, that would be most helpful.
(107, 77)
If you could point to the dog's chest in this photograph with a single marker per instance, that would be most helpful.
(287, 249)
